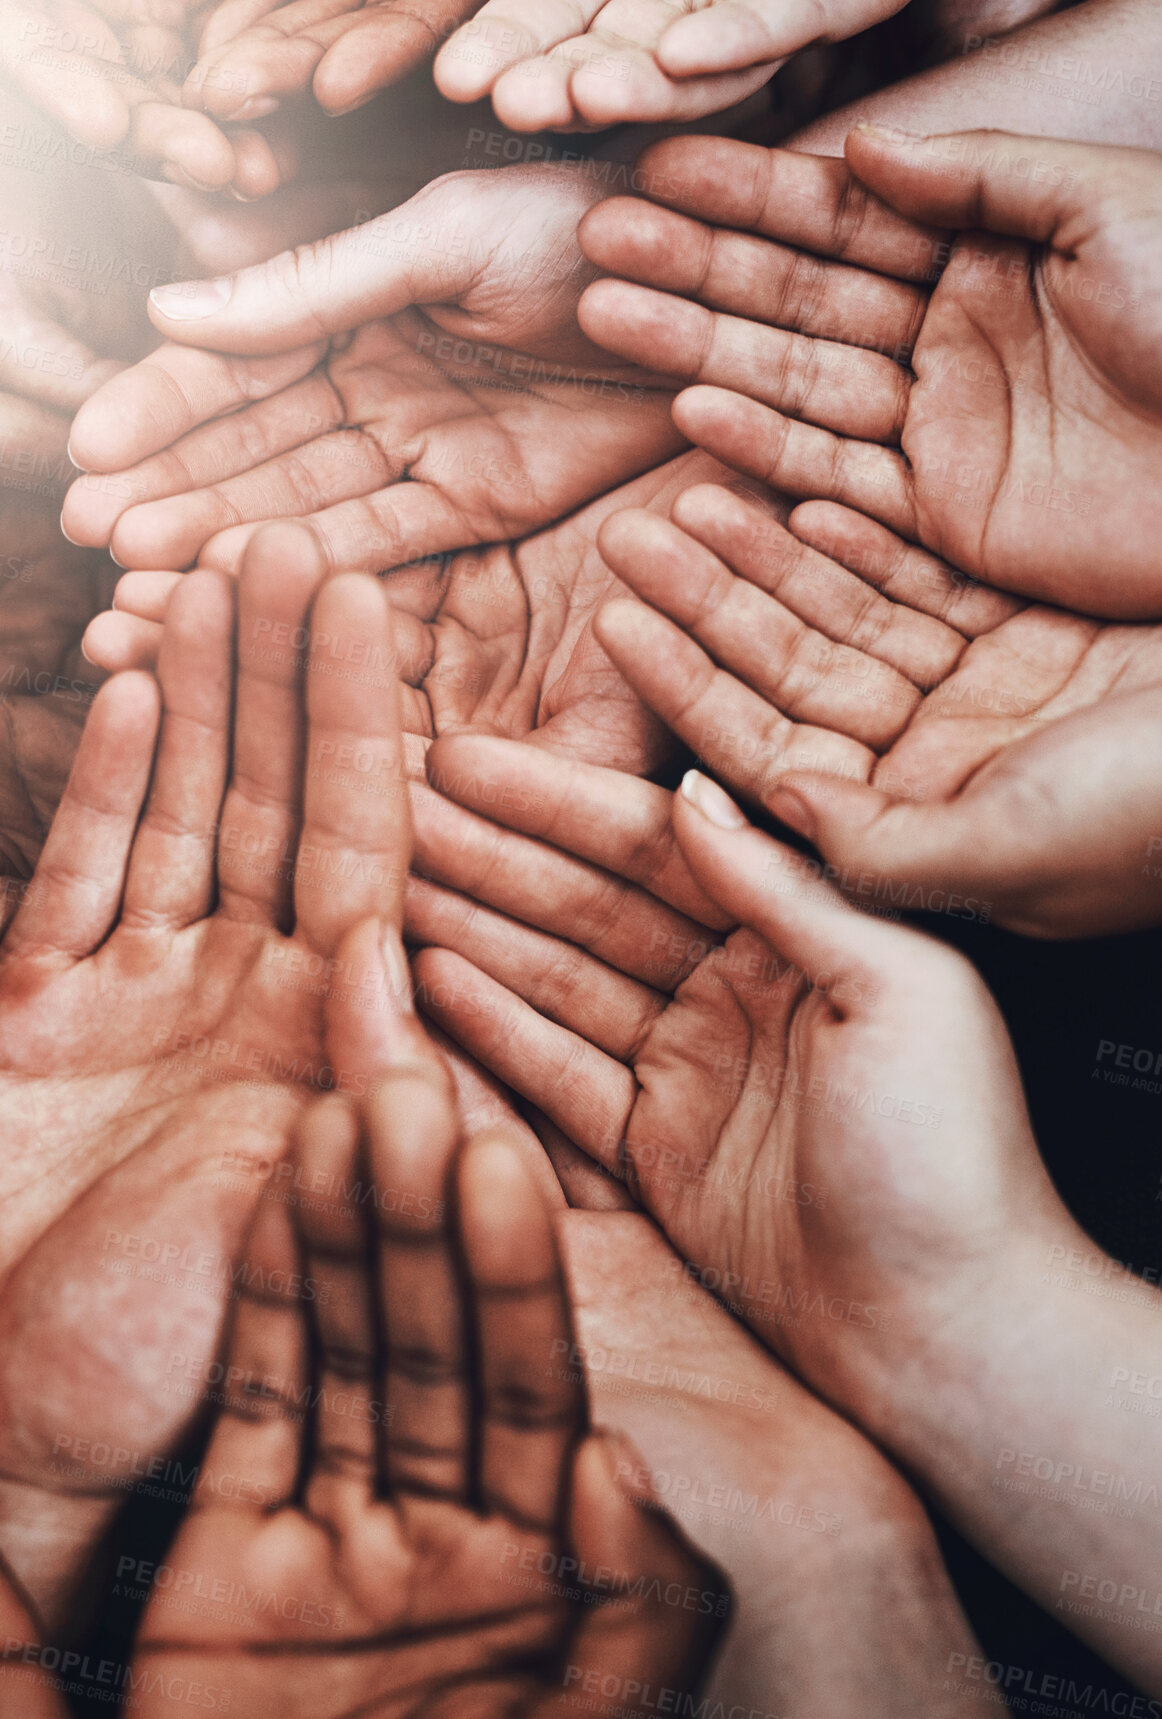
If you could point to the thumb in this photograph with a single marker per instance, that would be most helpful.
(416, 254)
(890, 852)
(787, 898)
(1022, 187)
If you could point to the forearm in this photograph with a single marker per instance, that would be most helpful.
(1037, 1425)
(1093, 74)
(810, 1523)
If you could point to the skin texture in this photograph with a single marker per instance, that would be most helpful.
(135, 950)
(853, 1160)
(935, 739)
(552, 65)
(1010, 420)
(108, 73)
(441, 1447)
(442, 395)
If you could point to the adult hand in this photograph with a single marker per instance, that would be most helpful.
(415, 1302)
(800, 1108)
(1009, 420)
(108, 73)
(168, 980)
(605, 62)
(946, 748)
(434, 423)
(504, 639)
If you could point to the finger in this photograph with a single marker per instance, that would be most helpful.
(737, 732)
(916, 582)
(413, 1131)
(355, 846)
(799, 459)
(326, 1197)
(618, 85)
(116, 642)
(72, 903)
(194, 152)
(587, 1187)
(527, 880)
(145, 596)
(746, 276)
(822, 587)
(913, 849)
(804, 674)
(40, 358)
(307, 478)
(553, 975)
(171, 880)
(504, 33)
(259, 1428)
(991, 180)
(369, 1008)
(604, 816)
(636, 1634)
(532, 1408)
(744, 32)
(153, 404)
(320, 289)
(857, 393)
(38, 54)
(851, 956)
(586, 1093)
(260, 815)
(270, 55)
(381, 50)
(813, 202)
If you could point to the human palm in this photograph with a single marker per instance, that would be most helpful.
(1009, 420)
(500, 641)
(443, 1453)
(158, 985)
(108, 73)
(949, 739)
(420, 431)
(770, 1094)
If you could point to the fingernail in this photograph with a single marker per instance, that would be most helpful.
(398, 973)
(191, 300)
(791, 809)
(894, 134)
(350, 107)
(72, 458)
(709, 799)
(65, 534)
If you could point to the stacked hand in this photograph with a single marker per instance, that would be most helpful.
(109, 74)
(164, 981)
(549, 64)
(1008, 419)
(946, 747)
(414, 1302)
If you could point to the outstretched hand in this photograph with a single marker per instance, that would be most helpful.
(1008, 419)
(946, 747)
(418, 1518)
(546, 65)
(180, 976)
(406, 385)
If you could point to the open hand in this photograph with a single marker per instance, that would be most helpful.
(164, 981)
(413, 1300)
(1009, 419)
(946, 747)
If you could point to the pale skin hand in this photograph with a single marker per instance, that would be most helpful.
(817, 1048)
(834, 1525)
(163, 982)
(444, 1451)
(1023, 441)
(109, 74)
(470, 397)
(945, 747)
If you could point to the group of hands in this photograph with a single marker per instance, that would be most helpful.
(941, 669)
